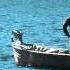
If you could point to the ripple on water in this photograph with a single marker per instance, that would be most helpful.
(5, 57)
(1, 29)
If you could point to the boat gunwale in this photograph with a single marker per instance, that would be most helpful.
(61, 54)
(55, 54)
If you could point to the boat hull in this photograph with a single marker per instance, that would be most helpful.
(40, 59)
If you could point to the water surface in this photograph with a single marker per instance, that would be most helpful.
(41, 22)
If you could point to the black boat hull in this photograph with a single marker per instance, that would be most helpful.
(41, 59)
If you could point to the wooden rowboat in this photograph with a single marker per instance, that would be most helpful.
(35, 55)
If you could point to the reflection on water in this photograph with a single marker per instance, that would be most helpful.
(40, 21)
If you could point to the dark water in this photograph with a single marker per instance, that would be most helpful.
(41, 22)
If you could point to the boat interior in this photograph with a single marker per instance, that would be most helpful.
(33, 47)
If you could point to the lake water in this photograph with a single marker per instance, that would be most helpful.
(41, 22)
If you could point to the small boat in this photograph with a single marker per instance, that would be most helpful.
(38, 56)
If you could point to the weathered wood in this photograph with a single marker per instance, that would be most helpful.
(34, 55)
(36, 58)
